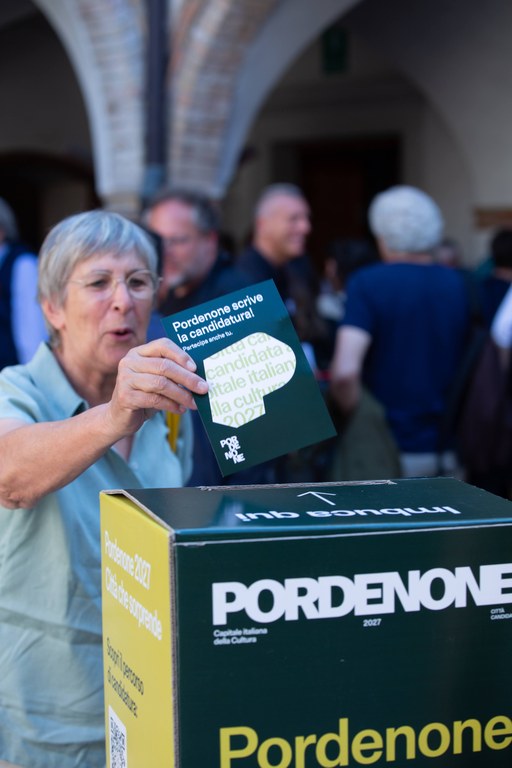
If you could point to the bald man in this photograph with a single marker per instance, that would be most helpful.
(280, 229)
(277, 252)
(195, 270)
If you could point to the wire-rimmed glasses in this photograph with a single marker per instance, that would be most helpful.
(141, 284)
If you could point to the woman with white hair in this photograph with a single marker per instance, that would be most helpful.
(21, 320)
(404, 330)
(404, 221)
(86, 413)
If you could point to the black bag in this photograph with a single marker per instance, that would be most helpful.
(478, 417)
(484, 423)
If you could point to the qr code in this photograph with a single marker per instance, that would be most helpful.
(117, 738)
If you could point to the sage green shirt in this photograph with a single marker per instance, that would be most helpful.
(51, 678)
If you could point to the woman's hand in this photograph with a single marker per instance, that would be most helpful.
(155, 376)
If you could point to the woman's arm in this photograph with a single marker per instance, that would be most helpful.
(37, 459)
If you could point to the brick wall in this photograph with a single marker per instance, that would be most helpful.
(106, 42)
(115, 30)
(209, 42)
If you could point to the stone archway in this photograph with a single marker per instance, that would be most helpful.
(227, 57)
(210, 41)
(110, 70)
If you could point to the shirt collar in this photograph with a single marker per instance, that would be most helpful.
(53, 382)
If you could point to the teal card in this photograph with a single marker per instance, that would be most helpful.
(263, 399)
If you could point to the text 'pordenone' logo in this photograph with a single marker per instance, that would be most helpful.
(330, 597)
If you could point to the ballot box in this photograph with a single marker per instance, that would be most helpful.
(297, 626)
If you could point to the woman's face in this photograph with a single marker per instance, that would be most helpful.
(101, 318)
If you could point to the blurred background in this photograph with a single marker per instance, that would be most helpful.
(103, 101)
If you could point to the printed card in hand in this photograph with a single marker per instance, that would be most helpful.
(263, 399)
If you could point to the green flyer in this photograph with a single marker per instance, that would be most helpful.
(263, 400)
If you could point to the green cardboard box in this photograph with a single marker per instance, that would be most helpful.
(308, 625)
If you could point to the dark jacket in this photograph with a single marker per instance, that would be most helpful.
(8, 353)
(223, 278)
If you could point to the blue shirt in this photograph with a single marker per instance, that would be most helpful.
(26, 318)
(417, 316)
(51, 690)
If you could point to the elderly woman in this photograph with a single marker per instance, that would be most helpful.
(85, 414)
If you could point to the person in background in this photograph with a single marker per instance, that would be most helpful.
(501, 329)
(281, 225)
(501, 332)
(449, 253)
(364, 447)
(195, 270)
(21, 320)
(280, 228)
(87, 413)
(485, 416)
(344, 256)
(404, 330)
(493, 286)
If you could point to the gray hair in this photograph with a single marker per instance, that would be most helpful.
(406, 219)
(276, 190)
(8, 223)
(205, 211)
(80, 237)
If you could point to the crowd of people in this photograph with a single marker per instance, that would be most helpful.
(386, 327)
(89, 383)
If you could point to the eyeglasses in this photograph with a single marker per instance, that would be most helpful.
(140, 284)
